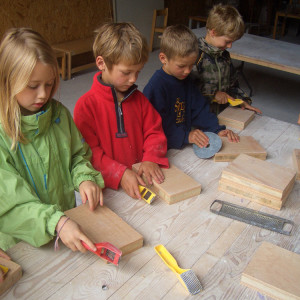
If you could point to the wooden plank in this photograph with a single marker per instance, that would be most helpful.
(258, 180)
(236, 117)
(247, 145)
(176, 187)
(13, 275)
(103, 225)
(274, 271)
(296, 161)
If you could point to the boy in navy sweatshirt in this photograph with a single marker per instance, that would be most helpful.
(184, 111)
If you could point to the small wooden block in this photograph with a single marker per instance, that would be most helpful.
(247, 145)
(176, 187)
(13, 275)
(236, 117)
(296, 161)
(257, 180)
(103, 225)
(274, 271)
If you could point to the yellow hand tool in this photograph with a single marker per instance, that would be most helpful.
(187, 277)
(146, 194)
(4, 269)
(234, 102)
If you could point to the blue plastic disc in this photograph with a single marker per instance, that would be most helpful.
(215, 144)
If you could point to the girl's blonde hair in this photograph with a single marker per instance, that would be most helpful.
(226, 21)
(120, 42)
(20, 50)
(178, 40)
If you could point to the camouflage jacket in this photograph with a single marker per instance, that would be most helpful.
(215, 72)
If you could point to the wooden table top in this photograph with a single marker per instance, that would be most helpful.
(264, 51)
(216, 248)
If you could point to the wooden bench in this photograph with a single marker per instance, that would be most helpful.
(61, 57)
(72, 48)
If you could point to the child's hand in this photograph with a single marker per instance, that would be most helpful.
(222, 97)
(151, 170)
(130, 183)
(91, 191)
(199, 138)
(246, 105)
(71, 235)
(232, 137)
(4, 255)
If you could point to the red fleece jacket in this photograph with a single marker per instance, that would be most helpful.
(119, 135)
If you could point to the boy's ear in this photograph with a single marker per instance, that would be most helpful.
(100, 63)
(163, 58)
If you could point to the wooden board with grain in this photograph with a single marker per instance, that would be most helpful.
(274, 271)
(176, 187)
(247, 145)
(103, 225)
(236, 117)
(257, 180)
(296, 161)
(12, 276)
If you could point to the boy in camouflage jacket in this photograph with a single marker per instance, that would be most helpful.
(216, 76)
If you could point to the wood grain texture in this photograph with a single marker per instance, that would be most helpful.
(235, 117)
(257, 180)
(274, 271)
(12, 276)
(247, 145)
(216, 248)
(296, 162)
(176, 187)
(103, 225)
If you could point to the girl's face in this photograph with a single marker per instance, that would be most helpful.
(38, 90)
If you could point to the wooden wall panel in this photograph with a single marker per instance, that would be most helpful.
(57, 20)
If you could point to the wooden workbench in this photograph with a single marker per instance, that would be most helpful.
(216, 248)
(264, 51)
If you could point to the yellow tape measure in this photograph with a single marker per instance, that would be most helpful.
(146, 194)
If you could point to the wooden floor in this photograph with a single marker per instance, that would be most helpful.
(216, 248)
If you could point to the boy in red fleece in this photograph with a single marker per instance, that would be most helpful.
(116, 120)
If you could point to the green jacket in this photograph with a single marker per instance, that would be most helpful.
(215, 72)
(38, 179)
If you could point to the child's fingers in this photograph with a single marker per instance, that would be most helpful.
(4, 255)
(83, 196)
(89, 243)
(101, 197)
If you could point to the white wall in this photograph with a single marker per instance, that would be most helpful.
(139, 12)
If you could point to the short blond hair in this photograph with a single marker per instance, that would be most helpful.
(178, 41)
(120, 42)
(20, 50)
(226, 21)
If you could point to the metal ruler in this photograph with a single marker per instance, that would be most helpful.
(251, 216)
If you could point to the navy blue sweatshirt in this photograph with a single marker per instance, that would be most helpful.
(181, 107)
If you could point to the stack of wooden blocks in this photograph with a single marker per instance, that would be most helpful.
(258, 180)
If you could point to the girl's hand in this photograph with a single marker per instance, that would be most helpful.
(91, 191)
(130, 183)
(4, 255)
(232, 137)
(151, 170)
(71, 235)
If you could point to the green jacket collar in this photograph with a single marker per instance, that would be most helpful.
(209, 49)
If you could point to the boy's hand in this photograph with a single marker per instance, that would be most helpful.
(232, 137)
(71, 235)
(222, 97)
(199, 138)
(91, 191)
(130, 183)
(246, 105)
(151, 170)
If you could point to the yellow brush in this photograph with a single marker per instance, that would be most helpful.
(187, 277)
(234, 102)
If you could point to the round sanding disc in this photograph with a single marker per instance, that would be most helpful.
(215, 144)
